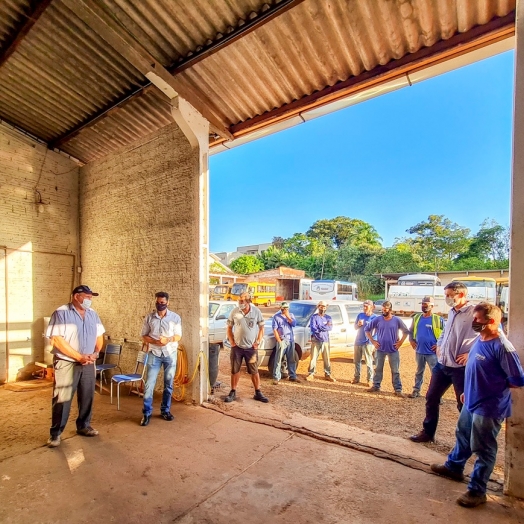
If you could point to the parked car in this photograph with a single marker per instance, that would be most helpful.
(219, 311)
(342, 336)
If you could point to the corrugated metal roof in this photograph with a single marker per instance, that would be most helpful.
(62, 73)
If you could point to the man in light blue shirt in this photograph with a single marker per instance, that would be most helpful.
(161, 332)
(283, 323)
(76, 333)
(320, 325)
(363, 346)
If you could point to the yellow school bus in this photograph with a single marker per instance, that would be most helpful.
(221, 292)
(262, 293)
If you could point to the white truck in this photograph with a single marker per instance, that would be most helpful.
(342, 336)
(406, 297)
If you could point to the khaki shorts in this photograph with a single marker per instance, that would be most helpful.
(249, 355)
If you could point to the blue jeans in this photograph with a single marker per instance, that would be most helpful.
(153, 367)
(365, 350)
(394, 365)
(421, 360)
(319, 347)
(287, 349)
(475, 434)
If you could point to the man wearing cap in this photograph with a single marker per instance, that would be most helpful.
(161, 331)
(283, 324)
(76, 333)
(386, 330)
(320, 325)
(423, 335)
(363, 347)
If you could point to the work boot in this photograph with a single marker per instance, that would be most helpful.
(399, 394)
(294, 379)
(87, 432)
(145, 420)
(355, 381)
(415, 394)
(443, 471)
(260, 397)
(329, 378)
(310, 377)
(53, 442)
(373, 389)
(422, 436)
(275, 382)
(471, 498)
(166, 415)
(231, 397)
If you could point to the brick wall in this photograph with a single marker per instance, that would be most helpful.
(139, 211)
(38, 243)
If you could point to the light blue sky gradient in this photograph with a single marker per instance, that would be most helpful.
(439, 147)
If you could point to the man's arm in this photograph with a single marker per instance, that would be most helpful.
(65, 348)
(275, 326)
(260, 335)
(230, 336)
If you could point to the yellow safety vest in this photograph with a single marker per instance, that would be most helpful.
(436, 322)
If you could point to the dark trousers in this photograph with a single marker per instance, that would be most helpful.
(71, 378)
(442, 377)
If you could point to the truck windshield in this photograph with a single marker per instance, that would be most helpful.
(238, 289)
(302, 312)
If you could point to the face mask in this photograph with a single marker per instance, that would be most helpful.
(242, 306)
(161, 307)
(86, 303)
(477, 326)
(450, 302)
(425, 309)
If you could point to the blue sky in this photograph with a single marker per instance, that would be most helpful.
(442, 147)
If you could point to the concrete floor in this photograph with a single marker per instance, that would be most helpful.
(211, 467)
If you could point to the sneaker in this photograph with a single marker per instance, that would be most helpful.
(399, 394)
(415, 394)
(422, 437)
(275, 382)
(310, 377)
(87, 432)
(355, 381)
(373, 389)
(294, 379)
(260, 397)
(329, 378)
(53, 442)
(443, 471)
(231, 397)
(166, 415)
(471, 498)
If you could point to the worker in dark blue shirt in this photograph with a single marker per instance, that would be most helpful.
(492, 368)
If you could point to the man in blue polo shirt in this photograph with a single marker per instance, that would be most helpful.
(283, 323)
(320, 325)
(363, 347)
(492, 368)
(423, 335)
(383, 332)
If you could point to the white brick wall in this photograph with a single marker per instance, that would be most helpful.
(41, 246)
(139, 212)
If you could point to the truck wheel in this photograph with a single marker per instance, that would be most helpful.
(268, 303)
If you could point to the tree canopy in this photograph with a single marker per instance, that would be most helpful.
(246, 264)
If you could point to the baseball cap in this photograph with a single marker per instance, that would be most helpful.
(284, 304)
(321, 303)
(428, 299)
(83, 289)
(368, 303)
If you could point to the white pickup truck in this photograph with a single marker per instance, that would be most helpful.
(342, 336)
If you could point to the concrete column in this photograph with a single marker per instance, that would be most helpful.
(514, 470)
(196, 129)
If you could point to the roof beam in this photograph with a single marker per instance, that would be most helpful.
(109, 29)
(219, 43)
(36, 9)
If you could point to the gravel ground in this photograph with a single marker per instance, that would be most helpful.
(350, 404)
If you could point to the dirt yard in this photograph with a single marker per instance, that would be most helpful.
(350, 404)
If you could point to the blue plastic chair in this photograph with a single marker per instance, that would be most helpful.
(132, 378)
(111, 349)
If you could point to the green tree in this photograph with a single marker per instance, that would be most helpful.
(344, 230)
(246, 264)
(215, 267)
(438, 241)
(397, 259)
